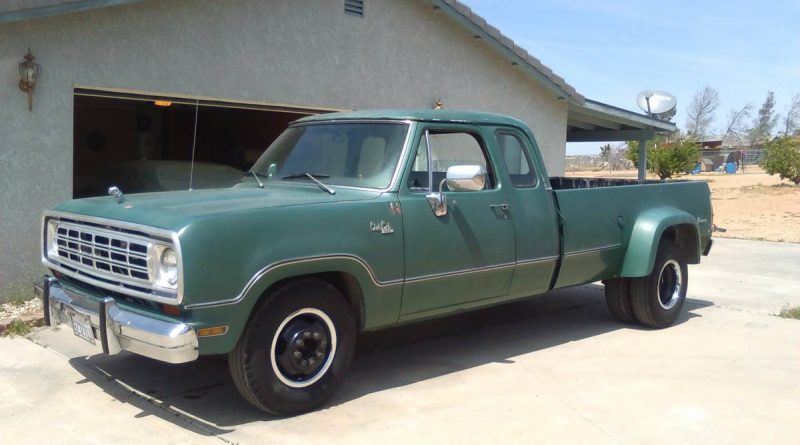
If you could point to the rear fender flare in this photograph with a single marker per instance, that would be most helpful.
(648, 229)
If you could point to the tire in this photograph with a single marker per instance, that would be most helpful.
(296, 349)
(658, 298)
(618, 299)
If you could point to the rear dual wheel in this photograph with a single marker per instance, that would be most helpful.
(655, 300)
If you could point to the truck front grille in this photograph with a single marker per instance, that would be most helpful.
(103, 252)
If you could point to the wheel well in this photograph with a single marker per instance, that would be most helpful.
(686, 238)
(343, 282)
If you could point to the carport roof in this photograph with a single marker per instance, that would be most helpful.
(595, 121)
(588, 120)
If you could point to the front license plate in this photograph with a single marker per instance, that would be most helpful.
(82, 328)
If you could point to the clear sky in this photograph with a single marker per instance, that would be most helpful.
(611, 50)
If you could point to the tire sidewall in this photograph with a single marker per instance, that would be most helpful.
(666, 317)
(262, 379)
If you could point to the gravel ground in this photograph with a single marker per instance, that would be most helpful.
(29, 310)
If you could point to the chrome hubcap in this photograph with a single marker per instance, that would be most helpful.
(670, 283)
(303, 347)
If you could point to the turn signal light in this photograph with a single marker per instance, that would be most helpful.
(170, 310)
(209, 332)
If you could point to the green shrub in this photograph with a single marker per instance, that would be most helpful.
(667, 159)
(790, 312)
(782, 157)
(20, 328)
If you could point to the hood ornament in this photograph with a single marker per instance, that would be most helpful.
(116, 193)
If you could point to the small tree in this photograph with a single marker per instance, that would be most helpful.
(764, 122)
(667, 159)
(701, 112)
(782, 157)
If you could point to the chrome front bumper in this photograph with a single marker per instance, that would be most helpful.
(117, 329)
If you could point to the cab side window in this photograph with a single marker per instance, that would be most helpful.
(447, 149)
(516, 159)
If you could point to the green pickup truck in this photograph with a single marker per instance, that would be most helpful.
(359, 221)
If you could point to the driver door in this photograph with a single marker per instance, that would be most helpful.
(467, 254)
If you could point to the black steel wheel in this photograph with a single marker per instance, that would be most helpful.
(296, 349)
(658, 298)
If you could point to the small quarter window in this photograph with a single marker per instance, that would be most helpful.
(516, 159)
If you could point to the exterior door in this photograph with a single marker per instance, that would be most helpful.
(468, 254)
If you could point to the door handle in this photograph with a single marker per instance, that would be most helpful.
(501, 210)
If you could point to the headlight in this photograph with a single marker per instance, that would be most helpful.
(51, 240)
(168, 267)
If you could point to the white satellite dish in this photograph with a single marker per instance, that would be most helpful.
(657, 103)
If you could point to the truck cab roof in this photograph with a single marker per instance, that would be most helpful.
(427, 115)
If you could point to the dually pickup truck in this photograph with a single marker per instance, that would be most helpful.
(359, 221)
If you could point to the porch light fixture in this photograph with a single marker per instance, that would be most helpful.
(28, 73)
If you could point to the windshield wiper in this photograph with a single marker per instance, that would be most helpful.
(313, 178)
(256, 175)
(305, 175)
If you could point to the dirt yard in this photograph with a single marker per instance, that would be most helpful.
(750, 205)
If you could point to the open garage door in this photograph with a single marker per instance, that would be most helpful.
(144, 143)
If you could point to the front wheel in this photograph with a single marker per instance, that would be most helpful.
(296, 349)
(658, 298)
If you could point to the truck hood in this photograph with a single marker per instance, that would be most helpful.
(175, 210)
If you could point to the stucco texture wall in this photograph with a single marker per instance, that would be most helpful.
(402, 54)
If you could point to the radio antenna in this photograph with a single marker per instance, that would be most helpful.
(194, 143)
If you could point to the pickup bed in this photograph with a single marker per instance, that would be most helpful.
(359, 221)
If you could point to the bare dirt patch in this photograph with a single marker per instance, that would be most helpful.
(748, 205)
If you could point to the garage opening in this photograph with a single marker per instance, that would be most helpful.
(143, 143)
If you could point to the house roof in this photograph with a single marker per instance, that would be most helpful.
(518, 55)
(17, 10)
(595, 121)
(587, 119)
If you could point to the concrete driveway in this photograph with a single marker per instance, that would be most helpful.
(553, 369)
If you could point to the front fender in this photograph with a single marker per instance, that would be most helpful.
(381, 300)
(650, 225)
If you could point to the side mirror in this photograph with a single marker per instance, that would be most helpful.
(465, 178)
(460, 178)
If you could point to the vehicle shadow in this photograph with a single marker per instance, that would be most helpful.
(200, 396)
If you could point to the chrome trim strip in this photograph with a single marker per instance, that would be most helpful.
(269, 268)
(162, 235)
(594, 249)
(537, 260)
(461, 272)
(277, 265)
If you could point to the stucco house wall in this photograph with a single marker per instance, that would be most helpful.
(401, 54)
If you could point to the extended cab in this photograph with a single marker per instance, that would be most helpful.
(359, 221)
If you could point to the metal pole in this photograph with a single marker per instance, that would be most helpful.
(642, 161)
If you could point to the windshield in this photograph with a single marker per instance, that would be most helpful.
(357, 154)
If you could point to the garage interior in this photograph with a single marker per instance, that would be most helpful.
(143, 143)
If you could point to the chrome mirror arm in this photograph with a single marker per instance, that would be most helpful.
(438, 201)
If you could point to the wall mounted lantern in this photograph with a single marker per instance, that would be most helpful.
(28, 73)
